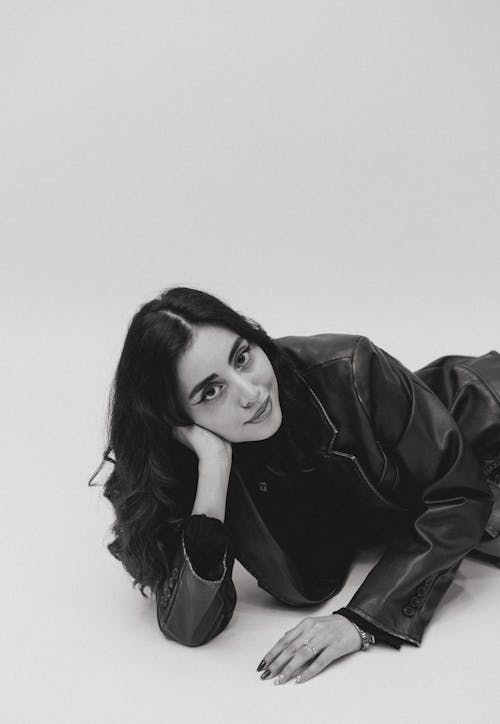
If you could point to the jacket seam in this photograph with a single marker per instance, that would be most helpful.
(318, 365)
(168, 609)
(386, 461)
(353, 376)
(457, 394)
(363, 407)
(396, 480)
(481, 379)
(361, 474)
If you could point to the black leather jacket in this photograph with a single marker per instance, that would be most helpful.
(414, 455)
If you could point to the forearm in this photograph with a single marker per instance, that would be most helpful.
(204, 533)
(213, 479)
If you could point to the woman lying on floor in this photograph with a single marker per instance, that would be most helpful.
(289, 455)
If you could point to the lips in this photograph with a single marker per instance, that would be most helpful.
(260, 409)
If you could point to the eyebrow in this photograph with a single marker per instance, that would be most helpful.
(213, 376)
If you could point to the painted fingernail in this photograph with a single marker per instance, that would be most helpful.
(265, 674)
(279, 679)
(261, 665)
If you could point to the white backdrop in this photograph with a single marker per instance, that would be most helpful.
(321, 166)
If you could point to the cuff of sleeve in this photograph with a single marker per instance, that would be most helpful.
(380, 636)
(206, 539)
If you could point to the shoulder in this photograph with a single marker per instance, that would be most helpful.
(319, 349)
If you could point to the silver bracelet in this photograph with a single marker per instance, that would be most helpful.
(366, 638)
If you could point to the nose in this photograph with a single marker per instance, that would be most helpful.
(249, 394)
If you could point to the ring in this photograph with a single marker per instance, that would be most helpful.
(305, 642)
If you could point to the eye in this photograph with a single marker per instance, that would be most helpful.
(242, 353)
(242, 359)
(206, 396)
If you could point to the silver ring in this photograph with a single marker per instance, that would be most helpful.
(305, 642)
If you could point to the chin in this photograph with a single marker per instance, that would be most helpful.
(267, 431)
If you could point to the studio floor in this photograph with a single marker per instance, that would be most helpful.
(80, 645)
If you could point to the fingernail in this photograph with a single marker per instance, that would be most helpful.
(265, 674)
(261, 665)
(298, 679)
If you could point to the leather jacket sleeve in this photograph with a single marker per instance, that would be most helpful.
(380, 636)
(440, 476)
(196, 600)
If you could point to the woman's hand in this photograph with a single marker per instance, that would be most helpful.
(331, 636)
(205, 444)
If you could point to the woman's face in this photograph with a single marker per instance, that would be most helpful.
(224, 379)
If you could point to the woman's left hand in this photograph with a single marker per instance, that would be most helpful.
(331, 636)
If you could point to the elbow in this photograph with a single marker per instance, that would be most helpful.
(186, 628)
(185, 638)
(192, 610)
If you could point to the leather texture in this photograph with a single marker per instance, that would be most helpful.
(416, 458)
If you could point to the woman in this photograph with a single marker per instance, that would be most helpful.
(290, 454)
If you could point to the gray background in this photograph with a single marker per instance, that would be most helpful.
(321, 166)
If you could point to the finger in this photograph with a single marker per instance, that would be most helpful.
(287, 638)
(326, 657)
(303, 658)
(294, 652)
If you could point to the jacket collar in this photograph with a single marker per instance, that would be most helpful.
(316, 427)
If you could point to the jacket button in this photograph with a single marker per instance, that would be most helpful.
(175, 573)
(428, 582)
(409, 611)
(414, 601)
(421, 591)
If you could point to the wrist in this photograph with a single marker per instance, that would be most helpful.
(366, 639)
(218, 463)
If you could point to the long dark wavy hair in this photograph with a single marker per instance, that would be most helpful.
(152, 486)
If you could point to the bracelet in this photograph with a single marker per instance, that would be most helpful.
(366, 638)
